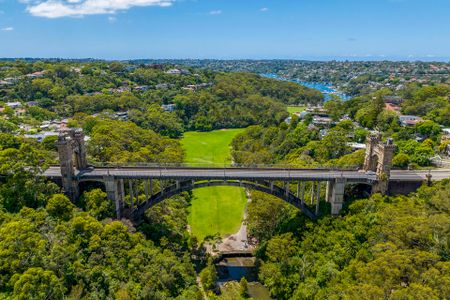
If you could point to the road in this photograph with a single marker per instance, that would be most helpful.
(245, 174)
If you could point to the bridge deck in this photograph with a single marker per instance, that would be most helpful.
(244, 174)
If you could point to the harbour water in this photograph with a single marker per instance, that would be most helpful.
(326, 88)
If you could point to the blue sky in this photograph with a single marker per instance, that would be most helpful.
(226, 29)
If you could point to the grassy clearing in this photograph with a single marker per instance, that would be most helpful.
(294, 109)
(209, 147)
(214, 209)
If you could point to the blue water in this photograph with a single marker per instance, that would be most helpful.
(326, 88)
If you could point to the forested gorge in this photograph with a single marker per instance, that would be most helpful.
(50, 248)
(381, 248)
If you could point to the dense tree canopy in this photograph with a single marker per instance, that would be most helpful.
(382, 248)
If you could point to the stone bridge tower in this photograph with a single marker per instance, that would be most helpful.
(72, 159)
(378, 159)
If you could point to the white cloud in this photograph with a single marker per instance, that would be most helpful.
(215, 12)
(79, 8)
(7, 28)
(112, 19)
(264, 9)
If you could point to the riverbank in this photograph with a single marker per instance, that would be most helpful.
(325, 88)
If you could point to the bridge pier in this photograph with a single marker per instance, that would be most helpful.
(113, 192)
(146, 189)
(130, 187)
(318, 198)
(335, 195)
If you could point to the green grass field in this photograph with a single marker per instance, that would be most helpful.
(213, 209)
(208, 147)
(294, 109)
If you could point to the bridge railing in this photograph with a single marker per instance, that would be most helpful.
(218, 166)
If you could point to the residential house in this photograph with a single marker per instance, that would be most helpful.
(393, 100)
(168, 107)
(356, 146)
(141, 88)
(20, 112)
(36, 74)
(121, 115)
(41, 136)
(324, 121)
(14, 105)
(32, 103)
(408, 120)
(392, 107)
(173, 72)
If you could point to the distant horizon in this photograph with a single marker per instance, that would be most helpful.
(316, 59)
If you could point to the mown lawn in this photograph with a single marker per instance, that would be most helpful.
(213, 209)
(294, 109)
(208, 147)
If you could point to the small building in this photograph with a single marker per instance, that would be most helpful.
(162, 86)
(4, 82)
(32, 103)
(302, 114)
(393, 100)
(36, 74)
(392, 107)
(19, 112)
(14, 105)
(141, 88)
(168, 107)
(408, 120)
(174, 72)
(41, 136)
(324, 121)
(121, 115)
(356, 146)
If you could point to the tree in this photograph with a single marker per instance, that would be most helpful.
(208, 276)
(37, 283)
(243, 287)
(98, 205)
(59, 206)
(428, 129)
(401, 160)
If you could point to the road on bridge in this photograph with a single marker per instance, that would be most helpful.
(246, 174)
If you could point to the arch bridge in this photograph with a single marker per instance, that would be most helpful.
(135, 189)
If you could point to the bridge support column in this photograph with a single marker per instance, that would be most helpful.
(318, 198)
(312, 192)
(122, 194)
(328, 191)
(112, 192)
(286, 189)
(337, 189)
(151, 187)
(130, 186)
(302, 197)
(146, 189)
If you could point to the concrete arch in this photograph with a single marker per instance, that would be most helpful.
(185, 186)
